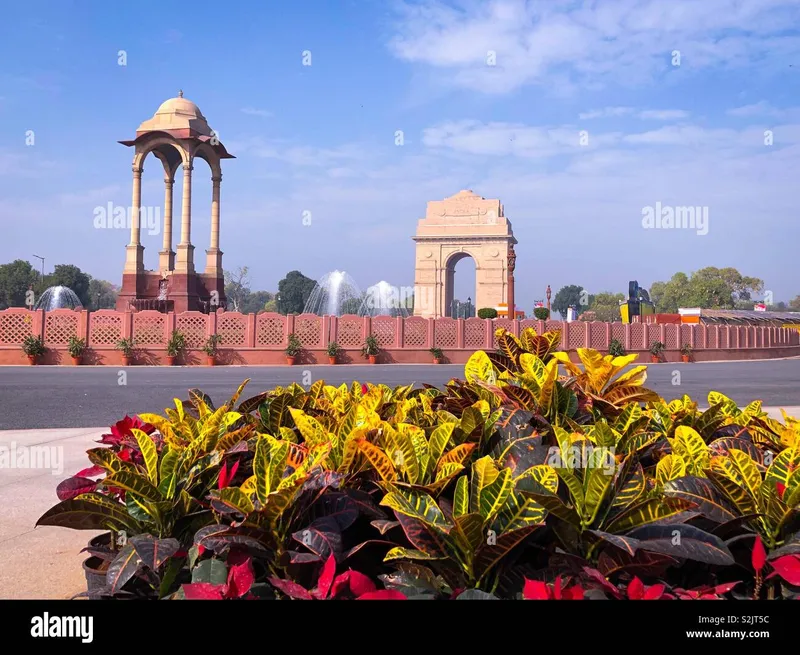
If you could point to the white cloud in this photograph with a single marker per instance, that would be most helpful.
(252, 111)
(663, 114)
(762, 108)
(606, 112)
(624, 41)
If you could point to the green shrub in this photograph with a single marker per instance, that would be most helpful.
(616, 349)
(577, 472)
(487, 312)
(541, 313)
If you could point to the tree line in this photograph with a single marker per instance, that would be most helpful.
(707, 288)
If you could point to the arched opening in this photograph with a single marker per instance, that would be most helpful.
(460, 290)
(157, 163)
(202, 171)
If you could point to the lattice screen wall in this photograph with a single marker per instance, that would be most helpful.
(15, 325)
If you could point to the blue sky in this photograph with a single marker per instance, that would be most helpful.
(321, 138)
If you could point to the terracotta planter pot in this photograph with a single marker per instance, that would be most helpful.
(94, 568)
(171, 360)
(332, 360)
(437, 360)
(654, 359)
(76, 361)
(290, 359)
(32, 359)
(373, 359)
(685, 359)
(126, 360)
(211, 360)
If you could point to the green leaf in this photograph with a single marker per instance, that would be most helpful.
(130, 481)
(90, 511)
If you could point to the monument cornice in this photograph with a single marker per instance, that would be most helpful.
(466, 238)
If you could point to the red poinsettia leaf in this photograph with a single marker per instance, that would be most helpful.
(788, 568)
(780, 488)
(291, 589)
(240, 578)
(74, 486)
(364, 389)
(759, 556)
(90, 472)
(709, 597)
(357, 583)
(557, 589)
(383, 594)
(200, 550)
(635, 589)
(326, 578)
(725, 588)
(535, 590)
(596, 576)
(574, 593)
(202, 591)
(654, 593)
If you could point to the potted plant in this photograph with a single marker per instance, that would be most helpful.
(686, 352)
(438, 355)
(76, 349)
(333, 351)
(126, 346)
(175, 346)
(293, 349)
(656, 348)
(616, 349)
(33, 347)
(541, 313)
(371, 349)
(211, 348)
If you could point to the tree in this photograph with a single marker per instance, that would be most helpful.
(571, 295)
(257, 301)
(293, 292)
(71, 276)
(541, 313)
(102, 294)
(605, 306)
(794, 304)
(707, 288)
(15, 280)
(237, 287)
(487, 312)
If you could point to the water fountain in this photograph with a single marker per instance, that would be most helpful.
(335, 293)
(58, 297)
(383, 299)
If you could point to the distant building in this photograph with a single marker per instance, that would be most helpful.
(740, 317)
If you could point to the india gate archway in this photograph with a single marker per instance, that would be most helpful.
(463, 225)
(177, 135)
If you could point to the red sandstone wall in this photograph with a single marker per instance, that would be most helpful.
(261, 338)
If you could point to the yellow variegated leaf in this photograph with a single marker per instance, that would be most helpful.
(572, 368)
(670, 467)
(480, 367)
(380, 462)
(461, 497)
(149, 453)
(312, 432)
(690, 445)
(597, 485)
(439, 439)
(399, 552)
(542, 475)
(747, 469)
(784, 466)
(400, 450)
(249, 485)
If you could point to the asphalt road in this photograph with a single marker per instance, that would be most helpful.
(78, 397)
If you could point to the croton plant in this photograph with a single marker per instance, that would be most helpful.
(531, 478)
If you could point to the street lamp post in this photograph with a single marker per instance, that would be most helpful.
(468, 310)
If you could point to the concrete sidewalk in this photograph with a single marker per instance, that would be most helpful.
(45, 562)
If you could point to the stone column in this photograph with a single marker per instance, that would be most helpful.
(512, 262)
(134, 256)
(166, 259)
(213, 254)
(185, 255)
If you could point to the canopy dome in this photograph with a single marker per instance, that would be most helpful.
(177, 114)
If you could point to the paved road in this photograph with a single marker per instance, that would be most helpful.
(67, 397)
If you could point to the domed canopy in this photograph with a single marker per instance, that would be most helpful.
(177, 114)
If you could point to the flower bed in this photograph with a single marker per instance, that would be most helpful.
(531, 478)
